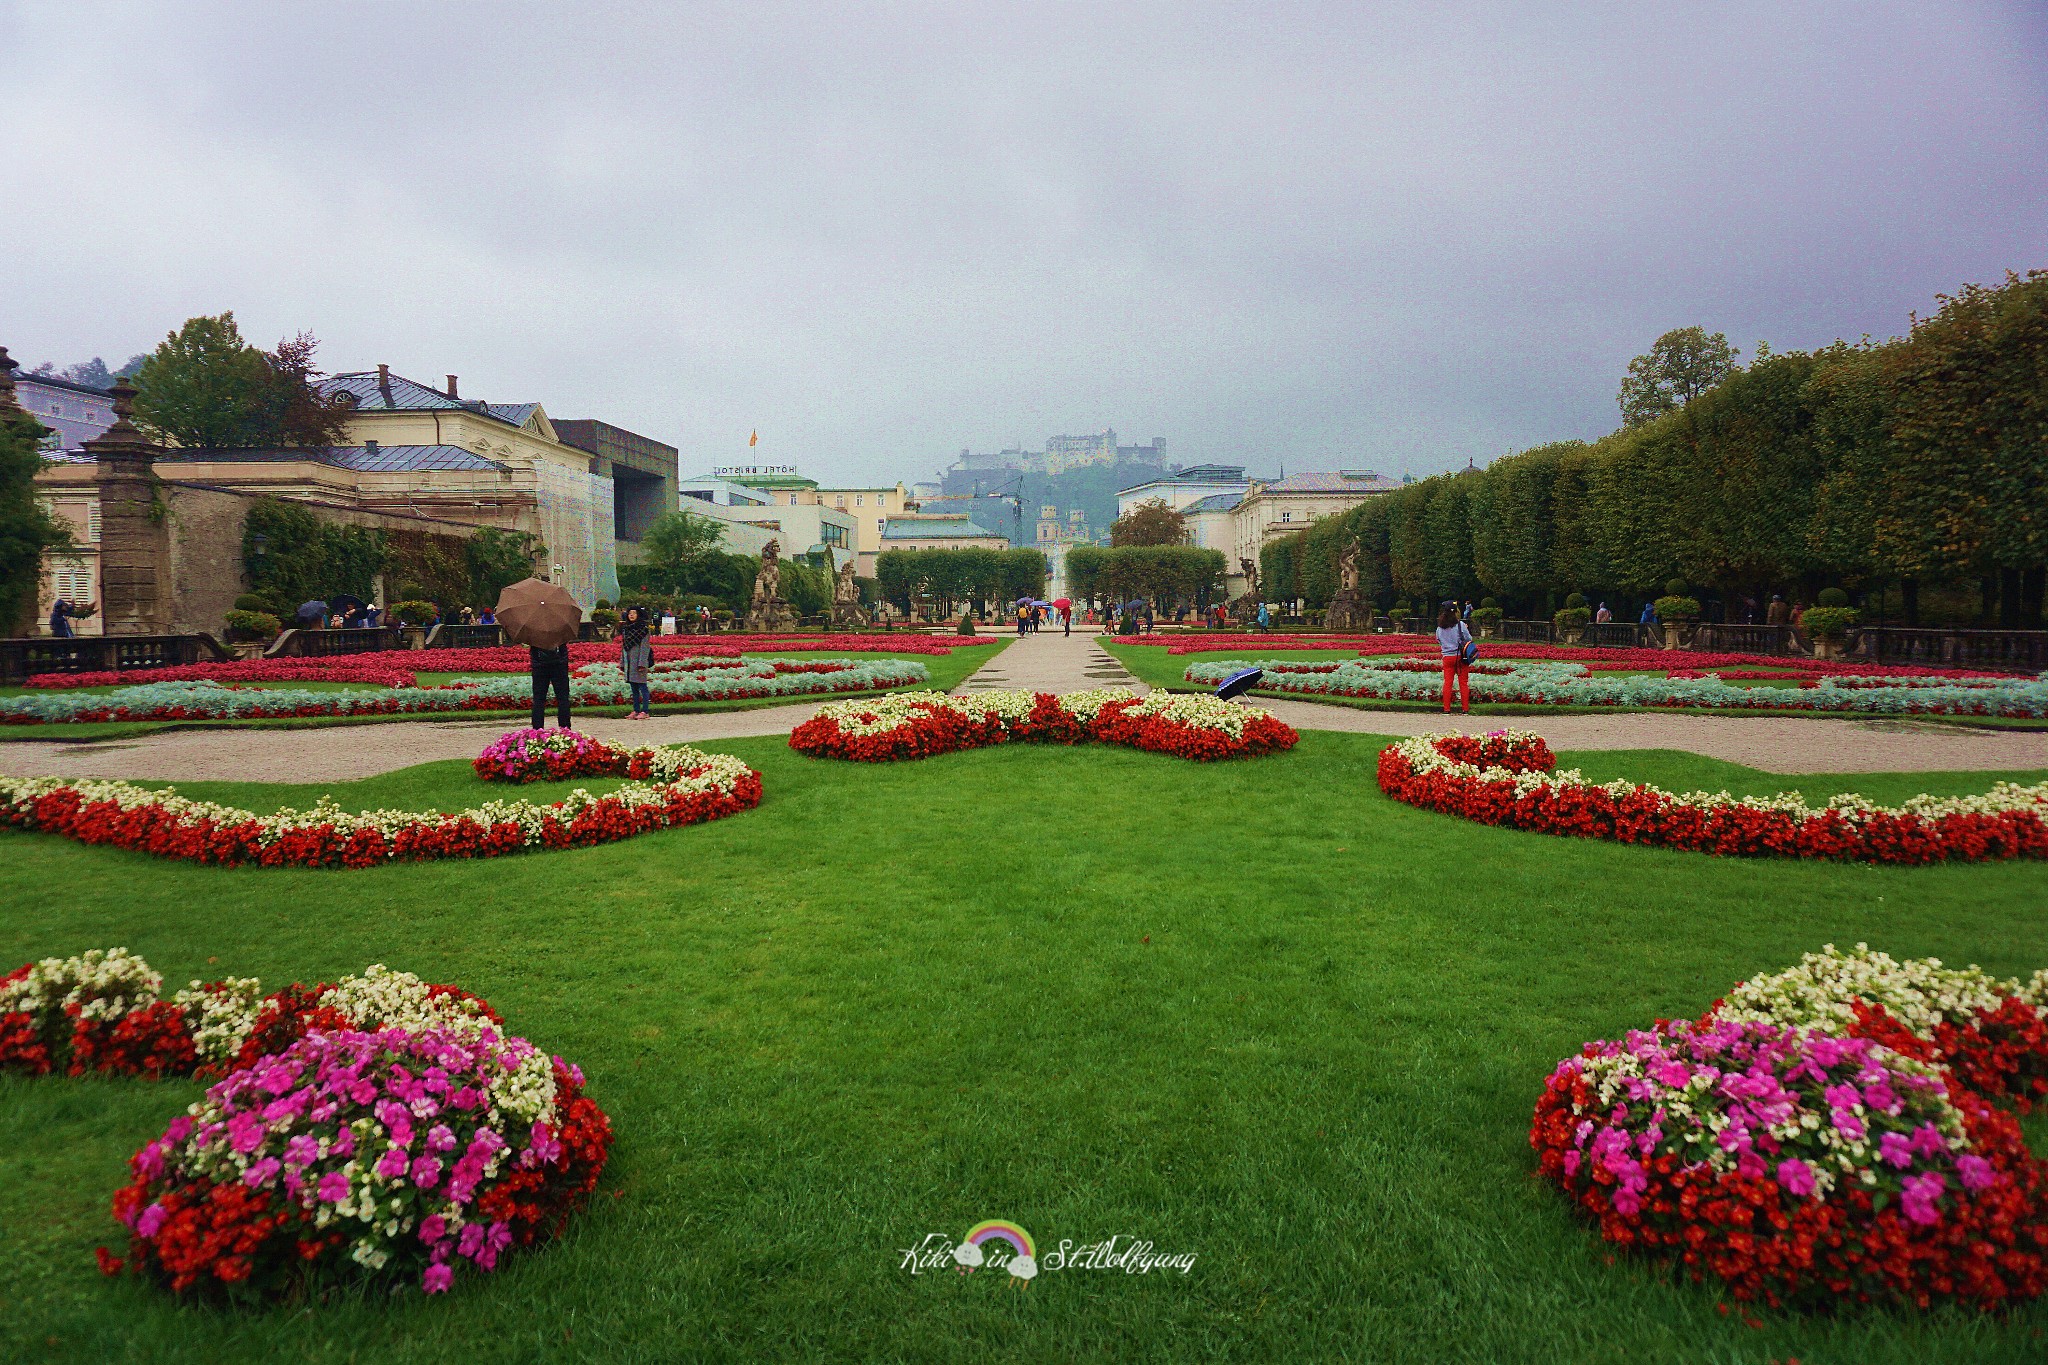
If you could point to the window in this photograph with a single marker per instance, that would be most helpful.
(858, 501)
(792, 499)
(840, 502)
(1287, 516)
(72, 581)
(92, 522)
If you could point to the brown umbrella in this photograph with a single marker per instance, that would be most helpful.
(538, 613)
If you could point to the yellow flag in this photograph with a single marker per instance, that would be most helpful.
(754, 439)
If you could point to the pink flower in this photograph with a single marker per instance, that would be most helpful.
(1796, 1177)
(261, 1173)
(333, 1187)
(245, 1133)
(1919, 1197)
(1895, 1149)
(152, 1218)
(437, 1279)
(425, 1172)
(392, 1164)
(1976, 1173)
(433, 1228)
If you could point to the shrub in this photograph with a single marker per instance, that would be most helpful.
(413, 613)
(1487, 615)
(252, 625)
(253, 601)
(1832, 597)
(603, 616)
(1573, 618)
(603, 603)
(1829, 623)
(1678, 608)
(1488, 602)
(966, 626)
(1677, 587)
(1575, 601)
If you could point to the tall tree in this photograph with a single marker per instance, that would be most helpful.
(1149, 523)
(677, 538)
(207, 388)
(296, 412)
(1679, 367)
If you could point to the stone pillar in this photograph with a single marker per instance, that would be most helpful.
(134, 540)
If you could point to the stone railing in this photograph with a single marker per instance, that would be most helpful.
(455, 635)
(1732, 639)
(1529, 632)
(2014, 651)
(24, 658)
(295, 643)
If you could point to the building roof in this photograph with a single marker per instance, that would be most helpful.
(379, 391)
(54, 382)
(1226, 473)
(1215, 502)
(381, 460)
(518, 414)
(1190, 476)
(1341, 481)
(935, 528)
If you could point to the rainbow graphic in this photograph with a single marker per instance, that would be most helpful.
(998, 1229)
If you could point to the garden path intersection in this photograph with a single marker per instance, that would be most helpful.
(1047, 662)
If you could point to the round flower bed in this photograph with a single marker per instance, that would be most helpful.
(677, 786)
(1798, 1167)
(920, 724)
(1508, 778)
(379, 1127)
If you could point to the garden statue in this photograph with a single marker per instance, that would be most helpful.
(1244, 607)
(846, 609)
(767, 610)
(1348, 610)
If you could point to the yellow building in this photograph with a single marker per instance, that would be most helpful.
(870, 507)
(1274, 508)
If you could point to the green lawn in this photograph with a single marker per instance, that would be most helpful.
(1094, 991)
(947, 671)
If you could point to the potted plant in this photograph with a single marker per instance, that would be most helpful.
(413, 616)
(1572, 619)
(605, 619)
(1487, 617)
(1677, 610)
(1828, 623)
(249, 632)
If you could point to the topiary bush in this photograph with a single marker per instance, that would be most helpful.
(255, 601)
(1678, 587)
(1575, 602)
(1678, 608)
(413, 613)
(1832, 597)
(1488, 604)
(1487, 615)
(246, 626)
(1573, 618)
(1828, 623)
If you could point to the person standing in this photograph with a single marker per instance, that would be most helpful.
(550, 669)
(1777, 613)
(1649, 616)
(1453, 637)
(636, 656)
(1265, 619)
(1067, 622)
(1603, 616)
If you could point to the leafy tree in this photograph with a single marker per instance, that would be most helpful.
(303, 558)
(497, 559)
(207, 388)
(1149, 523)
(679, 537)
(1679, 367)
(26, 526)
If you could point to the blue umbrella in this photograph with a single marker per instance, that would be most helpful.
(1240, 682)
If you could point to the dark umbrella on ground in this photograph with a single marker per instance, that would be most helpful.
(1239, 683)
(538, 614)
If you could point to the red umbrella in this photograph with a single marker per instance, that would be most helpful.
(1063, 602)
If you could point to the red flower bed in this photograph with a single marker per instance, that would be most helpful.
(1433, 773)
(918, 725)
(391, 668)
(1597, 659)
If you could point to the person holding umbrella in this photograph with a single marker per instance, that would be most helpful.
(636, 656)
(544, 618)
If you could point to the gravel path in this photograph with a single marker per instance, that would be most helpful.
(1047, 662)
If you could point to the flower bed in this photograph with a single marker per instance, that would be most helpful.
(1597, 659)
(1562, 683)
(1831, 1132)
(680, 786)
(379, 666)
(920, 724)
(379, 1127)
(1448, 773)
(693, 679)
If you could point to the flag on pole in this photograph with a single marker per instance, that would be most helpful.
(754, 439)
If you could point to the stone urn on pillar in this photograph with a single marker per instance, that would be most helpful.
(134, 542)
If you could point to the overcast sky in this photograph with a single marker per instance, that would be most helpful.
(1338, 235)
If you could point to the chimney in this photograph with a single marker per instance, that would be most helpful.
(451, 387)
(369, 447)
(384, 384)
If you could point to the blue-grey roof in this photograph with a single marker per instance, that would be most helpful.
(406, 395)
(1219, 502)
(515, 413)
(384, 459)
(1340, 481)
(935, 528)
